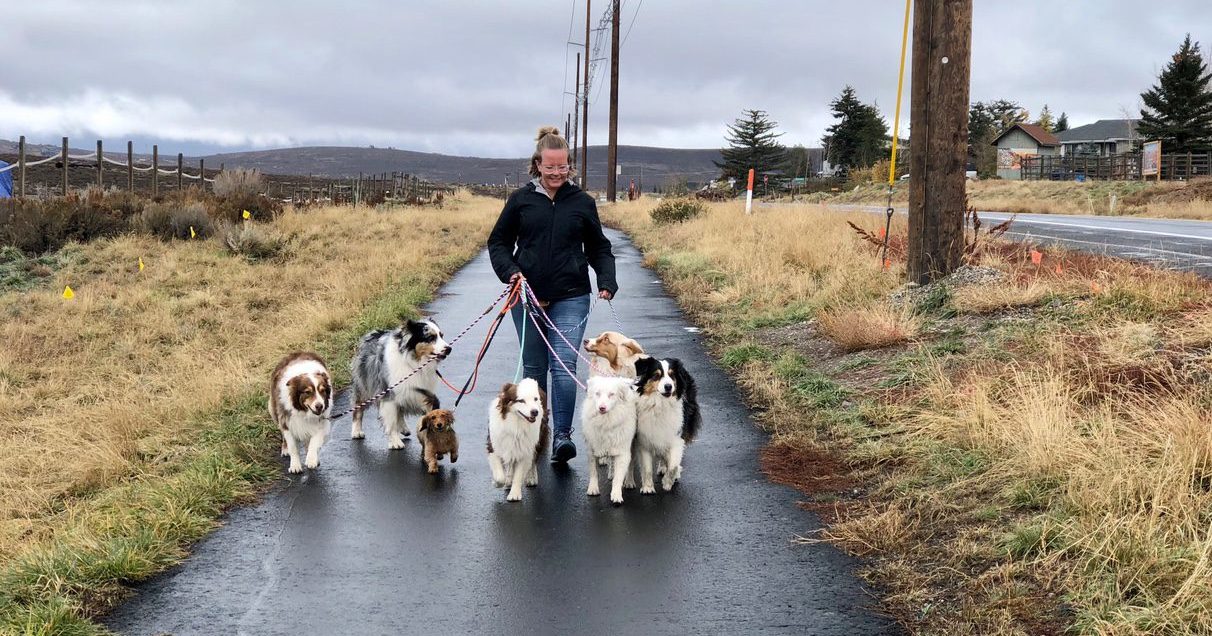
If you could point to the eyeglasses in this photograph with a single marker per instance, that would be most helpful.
(554, 168)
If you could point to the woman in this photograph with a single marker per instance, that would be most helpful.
(549, 232)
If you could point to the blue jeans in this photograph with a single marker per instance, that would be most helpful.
(568, 315)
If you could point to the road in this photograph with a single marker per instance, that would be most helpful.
(371, 544)
(1169, 243)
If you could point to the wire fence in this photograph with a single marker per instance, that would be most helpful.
(87, 170)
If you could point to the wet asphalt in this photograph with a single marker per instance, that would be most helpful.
(371, 544)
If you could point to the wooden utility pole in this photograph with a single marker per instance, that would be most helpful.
(938, 117)
(612, 154)
(576, 116)
(585, 107)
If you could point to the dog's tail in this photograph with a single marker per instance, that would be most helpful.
(692, 419)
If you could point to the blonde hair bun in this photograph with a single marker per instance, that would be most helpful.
(547, 130)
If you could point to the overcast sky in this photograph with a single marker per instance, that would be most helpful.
(477, 78)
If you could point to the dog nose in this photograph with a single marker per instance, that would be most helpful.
(534, 412)
(601, 409)
(586, 342)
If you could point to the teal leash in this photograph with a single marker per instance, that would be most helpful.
(517, 375)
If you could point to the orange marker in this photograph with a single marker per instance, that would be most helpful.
(1036, 257)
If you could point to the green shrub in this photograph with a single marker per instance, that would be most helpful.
(676, 211)
(252, 241)
(170, 220)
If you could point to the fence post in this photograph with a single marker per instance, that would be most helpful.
(64, 156)
(180, 164)
(202, 175)
(21, 166)
(130, 166)
(155, 170)
(100, 167)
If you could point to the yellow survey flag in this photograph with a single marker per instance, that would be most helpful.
(192, 234)
(140, 263)
(247, 215)
(68, 294)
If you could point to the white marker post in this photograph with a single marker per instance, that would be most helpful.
(749, 194)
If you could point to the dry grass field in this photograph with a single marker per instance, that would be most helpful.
(133, 413)
(1030, 456)
(1169, 199)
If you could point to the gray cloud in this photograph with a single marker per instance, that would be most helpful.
(466, 77)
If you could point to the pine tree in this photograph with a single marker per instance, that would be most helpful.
(860, 136)
(1178, 109)
(1062, 123)
(1045, 120)
(752, 144)
(987, 120)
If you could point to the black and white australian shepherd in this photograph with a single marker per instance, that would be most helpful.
(667, 418)
(386, 356)
(300, 401)
(518, 432)
(608, 421)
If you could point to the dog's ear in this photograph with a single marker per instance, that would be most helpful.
(507, 389)
(633, 346)
(425, 422)
(644, 367)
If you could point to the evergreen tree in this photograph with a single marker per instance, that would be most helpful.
(752, 144)
(987, 120)
(1178, 109)
(1045, 120)
(1062, 123)
(860, 136)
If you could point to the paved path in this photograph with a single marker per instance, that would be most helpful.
(1170, 243)
(371, 544)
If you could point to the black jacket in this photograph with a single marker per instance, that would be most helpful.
(556, 242)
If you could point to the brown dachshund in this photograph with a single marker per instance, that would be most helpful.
(437, 436)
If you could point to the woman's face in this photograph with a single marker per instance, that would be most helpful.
(553, 168)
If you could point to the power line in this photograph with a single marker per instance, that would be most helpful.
(630, 24)
(568, 40)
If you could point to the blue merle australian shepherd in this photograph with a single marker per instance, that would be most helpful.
(383, 358)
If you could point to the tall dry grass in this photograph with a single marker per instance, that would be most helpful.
(1066, 460)
(107, 385)
(776, 264)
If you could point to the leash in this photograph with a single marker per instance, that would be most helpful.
(539, 328)
(432, 358)
(517, 374)
(515, 294)
(575, 349)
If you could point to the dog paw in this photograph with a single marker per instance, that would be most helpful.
(616, 499)
(295, 469)
(313, 463)
(396, 444)
(648, 490)
(432, 470)
(514, 495)
(357, 435)
(532, 482)
(593, 491)
(667, 483)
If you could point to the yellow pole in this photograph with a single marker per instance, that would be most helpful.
(900, 84)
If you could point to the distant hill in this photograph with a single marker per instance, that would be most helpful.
(653, 165)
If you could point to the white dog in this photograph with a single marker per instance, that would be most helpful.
(300, 401)
(667, 419)
(517, 434)
(608, 419)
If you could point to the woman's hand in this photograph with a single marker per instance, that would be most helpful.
(605, 294)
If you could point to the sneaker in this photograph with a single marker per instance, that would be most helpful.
(562, 450)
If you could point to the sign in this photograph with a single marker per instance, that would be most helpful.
(1150, 159)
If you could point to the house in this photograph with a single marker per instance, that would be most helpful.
(1103, 138)
(1019, 141)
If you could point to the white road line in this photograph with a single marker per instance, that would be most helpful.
(1022, 219)
(1108, 245)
